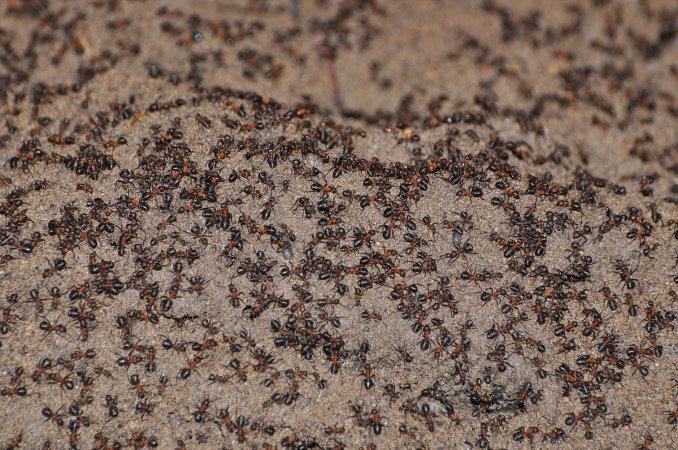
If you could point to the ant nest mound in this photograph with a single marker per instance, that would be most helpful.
(189, 265)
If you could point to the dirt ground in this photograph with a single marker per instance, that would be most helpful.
(338, 224)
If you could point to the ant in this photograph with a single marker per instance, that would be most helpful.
(193, 364)
(625, 275)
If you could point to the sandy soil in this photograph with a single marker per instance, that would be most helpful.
(338, 224)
